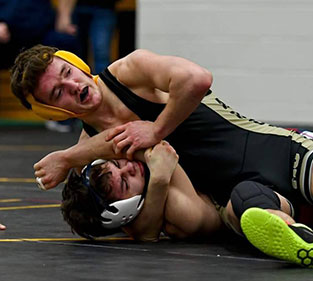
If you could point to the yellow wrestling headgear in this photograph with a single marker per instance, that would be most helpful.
(56, 113)
(50, 112)
(74, 60)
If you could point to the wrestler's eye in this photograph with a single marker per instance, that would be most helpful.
(116, 163)
(59, 93)
(125, 184)
(68, 73)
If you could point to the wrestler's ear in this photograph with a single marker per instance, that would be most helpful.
(49, 112)
(74, 60)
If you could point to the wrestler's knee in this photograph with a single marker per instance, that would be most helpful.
(248, 194)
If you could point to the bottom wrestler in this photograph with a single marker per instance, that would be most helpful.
(105, 199)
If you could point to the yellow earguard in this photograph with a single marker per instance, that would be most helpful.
(50, 112)
(56, 113)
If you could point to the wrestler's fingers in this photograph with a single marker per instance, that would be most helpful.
(37, 166)
(112, 133)
(130, 152)
(168, 146)
(39, 173)
(116, 140)
(122, 145)
(44, 184)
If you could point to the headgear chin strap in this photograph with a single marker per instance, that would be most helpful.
(50, 112)
(118, 213)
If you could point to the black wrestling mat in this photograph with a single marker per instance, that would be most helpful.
(38, 245)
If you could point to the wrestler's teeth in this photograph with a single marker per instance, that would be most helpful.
(84, 94)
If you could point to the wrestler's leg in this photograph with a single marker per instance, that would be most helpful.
(248, 194)
(266, 221)
(284, 213)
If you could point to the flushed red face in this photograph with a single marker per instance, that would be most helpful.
(64, 85)
(127, 179)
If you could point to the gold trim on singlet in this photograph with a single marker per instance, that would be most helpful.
(255, 126)
(250, 124)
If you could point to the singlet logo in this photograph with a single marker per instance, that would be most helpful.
(294, 171)
(238, 115)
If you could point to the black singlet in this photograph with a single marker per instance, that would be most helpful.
(219, 148)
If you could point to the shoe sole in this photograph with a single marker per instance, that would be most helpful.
(271, 235)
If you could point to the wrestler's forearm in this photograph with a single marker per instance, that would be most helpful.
(162, 162)
(148, 225)
(182, 102)
(54, 167)
(187, 85)
(185, 82)
(83, 153)
(89, 149)
(65, 7)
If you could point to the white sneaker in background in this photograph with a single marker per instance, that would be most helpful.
(58, 127)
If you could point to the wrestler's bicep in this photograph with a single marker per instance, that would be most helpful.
(183, 216)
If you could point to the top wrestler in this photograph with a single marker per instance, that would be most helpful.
(165, 92)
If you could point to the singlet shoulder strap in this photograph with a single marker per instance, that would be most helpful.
(91, 131)
(144, 109)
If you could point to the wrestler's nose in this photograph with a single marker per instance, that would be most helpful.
(71, 87)
(128, 169)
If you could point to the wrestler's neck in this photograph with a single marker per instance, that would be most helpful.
(110, 111)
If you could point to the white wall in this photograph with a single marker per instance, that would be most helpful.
(259, 51)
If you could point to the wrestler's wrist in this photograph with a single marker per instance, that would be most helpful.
(69, 160)
(160, 132)
(159, 180)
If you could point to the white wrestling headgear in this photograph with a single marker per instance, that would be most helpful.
(118, 213)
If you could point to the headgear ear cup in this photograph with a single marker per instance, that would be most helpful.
(50, 112)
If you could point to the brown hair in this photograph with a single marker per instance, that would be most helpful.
(79, 208)
(29, 65)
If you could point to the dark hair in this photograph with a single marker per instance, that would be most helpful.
(79, 208)
(29, 65)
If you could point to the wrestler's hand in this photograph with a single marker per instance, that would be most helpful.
(5, 34)
(64, 24)
(161, 160)
(132, 136)
(52, 169)
(2, 227)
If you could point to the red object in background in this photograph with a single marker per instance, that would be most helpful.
(306, 215)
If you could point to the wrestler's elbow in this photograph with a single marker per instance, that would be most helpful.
(201, 81)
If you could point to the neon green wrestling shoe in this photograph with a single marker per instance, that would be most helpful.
(274, 237)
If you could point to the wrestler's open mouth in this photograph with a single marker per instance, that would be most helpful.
(84, 94)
